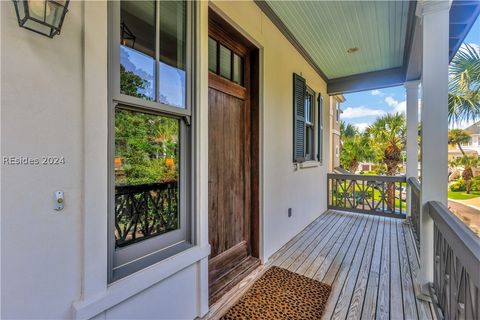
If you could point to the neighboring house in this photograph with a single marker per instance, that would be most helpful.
(472, 148)
(158, 155)
(335, 113)
(366, 166)
(474, 141)
(454, 152)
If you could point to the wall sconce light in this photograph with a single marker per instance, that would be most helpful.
(41, 16)
(127, 38)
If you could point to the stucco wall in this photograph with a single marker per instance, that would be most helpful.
(53, 102)
(41, 115)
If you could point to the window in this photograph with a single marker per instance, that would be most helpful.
(305, 132)
(150, 89)
(337, 112)
(224, 62)
(309, 125)
(153, 54)
(320, 129)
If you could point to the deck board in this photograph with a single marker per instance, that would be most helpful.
(305, 250)
(370, 301)
(409, 300)
(383, 297)
(396, 293)
(349, 275)
(370, 262)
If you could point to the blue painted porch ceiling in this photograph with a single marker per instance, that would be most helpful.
(327, 29)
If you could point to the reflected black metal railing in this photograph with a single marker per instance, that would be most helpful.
(377, 195)
(456, 280)
(145, 210)
(415, 207)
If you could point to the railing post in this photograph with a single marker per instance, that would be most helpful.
(412, 137)
(434, 175)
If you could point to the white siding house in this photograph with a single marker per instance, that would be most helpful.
(61, 98)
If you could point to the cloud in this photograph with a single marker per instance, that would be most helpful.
(361, 126)
(360, 112)
(398, 106)
(475, 47)
(376, 93)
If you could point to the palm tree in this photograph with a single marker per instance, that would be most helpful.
(347, 130)
(389, 134)
(354, 150)
(458, 137)
(464, 85)
(468, 163)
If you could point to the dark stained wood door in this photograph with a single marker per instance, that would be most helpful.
(227, 220)
(231, 214)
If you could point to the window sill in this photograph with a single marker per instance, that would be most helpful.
(309, 164)
(131, 285)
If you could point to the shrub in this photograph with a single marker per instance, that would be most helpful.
(475, 184)
(458, 185)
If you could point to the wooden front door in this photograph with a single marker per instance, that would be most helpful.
(230, 188)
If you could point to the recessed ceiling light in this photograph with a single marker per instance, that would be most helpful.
(352, 50)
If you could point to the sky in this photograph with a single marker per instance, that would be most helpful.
(362, 108)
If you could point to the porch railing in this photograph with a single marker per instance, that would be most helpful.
(456, 283)
(415, 206)
(377, 195)
(145, 210)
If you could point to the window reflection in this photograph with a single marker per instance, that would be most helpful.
(137, 49)
(139, 36)
(137, 74)
(146, 175)
(172, 53)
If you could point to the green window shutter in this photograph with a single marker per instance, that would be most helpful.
(299, 91)
(320, 128)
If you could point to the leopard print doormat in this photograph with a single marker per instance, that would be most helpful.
(281, 294)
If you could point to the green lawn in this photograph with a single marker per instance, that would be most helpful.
(377, 197)
(462, 195)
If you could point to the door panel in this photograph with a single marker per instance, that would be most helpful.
(227, 221)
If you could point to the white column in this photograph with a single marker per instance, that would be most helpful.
(412, 134)
(434, 174)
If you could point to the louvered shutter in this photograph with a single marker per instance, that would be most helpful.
(320, 128)
(299, 91)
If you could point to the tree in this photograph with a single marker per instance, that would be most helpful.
(347, 130)
(468, 163)
(464, 85)
(388, 134)
(354, 150)
(146, 144)
(131, 84)
(458, 137)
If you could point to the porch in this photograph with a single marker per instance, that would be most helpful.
(370, 261)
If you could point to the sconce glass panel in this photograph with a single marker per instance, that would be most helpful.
(41, 16)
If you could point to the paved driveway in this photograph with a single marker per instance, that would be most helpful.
(467, 214)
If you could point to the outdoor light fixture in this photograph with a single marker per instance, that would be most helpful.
(41, 16)
(127, 36)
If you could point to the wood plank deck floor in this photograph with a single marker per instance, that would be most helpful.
(369, 261)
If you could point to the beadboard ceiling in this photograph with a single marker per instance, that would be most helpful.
(327, 29)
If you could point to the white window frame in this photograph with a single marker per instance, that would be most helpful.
(310, 126)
